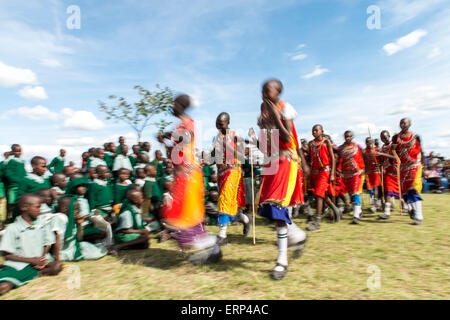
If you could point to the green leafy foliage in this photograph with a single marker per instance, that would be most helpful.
(138, 115)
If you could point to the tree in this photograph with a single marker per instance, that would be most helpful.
(138, 114)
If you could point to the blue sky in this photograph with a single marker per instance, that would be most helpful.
(335, 70)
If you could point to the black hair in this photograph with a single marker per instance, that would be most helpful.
(36, 160)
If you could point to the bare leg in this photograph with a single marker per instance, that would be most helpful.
(5, 287)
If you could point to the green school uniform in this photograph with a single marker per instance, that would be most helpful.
(152, 190)
(122, 161)
(120, 191)
(2, 185)
(100, 195)
(133, 160)
(14, 173)
(159, 165)
(129, 218)
(109, 159)
(24, 240)
(165, 178)
(71, 248)
(32, 183)
(57, 165)
(95, 162)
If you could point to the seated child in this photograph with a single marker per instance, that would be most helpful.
(78, 187)
(130, 232)
(25, 245)
(59, 183)
(122, 186)
(140, 177)
(92, 174)
(68, 224)
(152, 192)
(100, 194)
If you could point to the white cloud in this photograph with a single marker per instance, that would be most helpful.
(410, 40)
(317, 72)
(76, 141)
(35, 93)
(301, 46)
(434, 53)
(401, 11)
(80, 120)
(12, 76)
(300, 56)
(37, 113)
(51, 63)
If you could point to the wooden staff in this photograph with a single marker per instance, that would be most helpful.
(253, 198)
(398, 181)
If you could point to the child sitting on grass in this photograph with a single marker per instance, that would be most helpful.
(130, 232)
(122, 186)
(68, 223)
(25, 245)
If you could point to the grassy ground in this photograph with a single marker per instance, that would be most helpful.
(414, 263)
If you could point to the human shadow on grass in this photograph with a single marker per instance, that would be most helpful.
(241, 240)
(227, 264)
(154, 257)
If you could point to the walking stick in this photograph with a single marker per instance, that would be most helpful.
(398, 181)
(382, 185)
(253, 198)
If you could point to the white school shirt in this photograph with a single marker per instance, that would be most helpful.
(122, 161)
(24, 240)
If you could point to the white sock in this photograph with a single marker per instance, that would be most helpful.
(243, 218)
(356, 211)
(387, 208)
(295, 234)
(282, 241)
(223, 231)
(417, 206)
(372, 200)
(379, 202)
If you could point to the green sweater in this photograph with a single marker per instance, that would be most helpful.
(32, 183)
(120, 192)
(100, 194)
(152, 190)
(14, 172)
(57, 165)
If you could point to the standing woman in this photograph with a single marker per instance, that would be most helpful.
(185, 214)
(282, 184)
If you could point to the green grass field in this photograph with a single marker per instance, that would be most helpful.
(414, 263)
